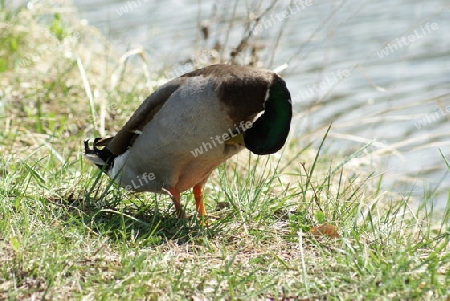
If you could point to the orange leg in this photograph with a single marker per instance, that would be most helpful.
(198, 195)
(175, 195)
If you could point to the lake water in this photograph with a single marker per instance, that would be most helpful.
(379, 70)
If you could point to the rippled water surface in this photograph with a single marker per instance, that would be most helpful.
(377, 69)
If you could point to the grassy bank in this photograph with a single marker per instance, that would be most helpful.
(67, 233)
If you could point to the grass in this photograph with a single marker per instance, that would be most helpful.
(67, 233)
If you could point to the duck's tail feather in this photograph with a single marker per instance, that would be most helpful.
(103, 158)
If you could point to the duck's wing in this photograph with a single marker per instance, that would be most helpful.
(124, 139)
(144, 114)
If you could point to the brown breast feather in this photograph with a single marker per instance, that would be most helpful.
(241, 89)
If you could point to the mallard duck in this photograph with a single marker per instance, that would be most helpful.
(190, 125)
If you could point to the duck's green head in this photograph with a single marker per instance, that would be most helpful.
(269, 132)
